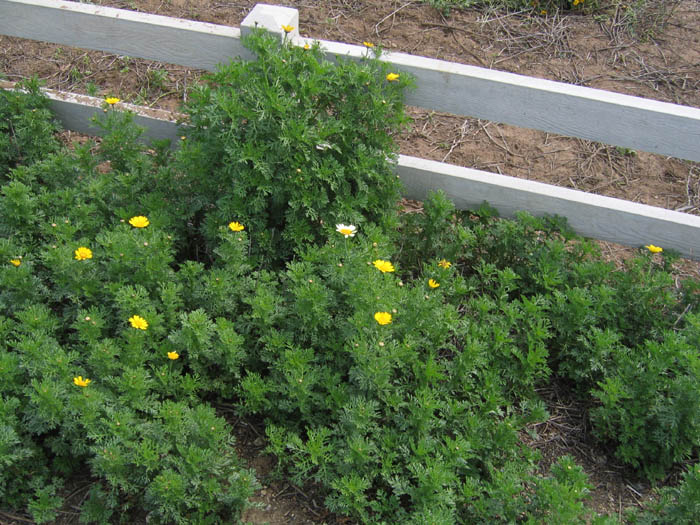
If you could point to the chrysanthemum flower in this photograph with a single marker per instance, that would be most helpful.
(368, 44)
(112, 100)
(392, 77)
(236, 226)
(654, 249)
(83, 253)
(382, 317)
(444, 264)
(173, 355)
(139, 221)
(433, 283)
(383, 266)
(348, 230)
(79, 381)
(15, 262)
(138, 322)
(287, 29)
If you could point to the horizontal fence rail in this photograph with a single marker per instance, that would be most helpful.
(590, 215)
(593, 114)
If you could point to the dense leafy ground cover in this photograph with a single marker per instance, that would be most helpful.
(393, 358)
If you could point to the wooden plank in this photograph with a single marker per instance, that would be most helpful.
(590, 215)
(593, 114)
(575, 111)
(188, 43)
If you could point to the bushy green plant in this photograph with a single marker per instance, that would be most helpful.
(676, 505)
(385, 393)
(620, 337)
(290, 145)
(26, 126)
(394, 365)
(651, 401)
(85, 388)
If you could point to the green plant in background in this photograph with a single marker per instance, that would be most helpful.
(26, 127)
(676, 505)
(291, 144)
(651, 403)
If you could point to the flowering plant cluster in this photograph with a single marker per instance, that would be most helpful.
(392, 359)
(318, 154)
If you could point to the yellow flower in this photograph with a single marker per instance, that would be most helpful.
(79, 381)
(15, 262)
(368, 44)
(173, 355)
(433, 283)
(236, 226)
(83, 253)
(112, 100)
(288, 29)
(139, 221)
(444, 264)
(348, 230)
(383, 266)
(577, 2)
(392, 77)
(307, 46)
(654, 249)
(382, 317)
(138, 322)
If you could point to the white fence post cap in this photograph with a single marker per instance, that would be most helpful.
(272, 18)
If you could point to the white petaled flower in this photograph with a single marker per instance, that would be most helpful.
(348, 230)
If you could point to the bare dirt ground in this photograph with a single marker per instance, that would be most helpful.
(655, 55)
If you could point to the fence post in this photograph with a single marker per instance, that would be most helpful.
(272, 18)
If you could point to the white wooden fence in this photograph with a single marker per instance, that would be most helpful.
(616, 119)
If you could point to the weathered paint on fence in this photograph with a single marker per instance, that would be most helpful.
(593, 114)
(590, 215)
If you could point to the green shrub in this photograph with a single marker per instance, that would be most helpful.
(651, 401)
(395, 367)
(676, 505)
(26, 127)
(290, 145)
(405, 420)
(74, 271)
